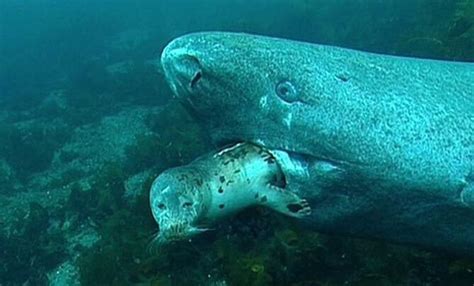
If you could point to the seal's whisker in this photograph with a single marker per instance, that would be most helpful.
(155, 243)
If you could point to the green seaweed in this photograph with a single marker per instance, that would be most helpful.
(30, 249)
(451, 39)
(103, 198)
(166, 146)
(125, 230)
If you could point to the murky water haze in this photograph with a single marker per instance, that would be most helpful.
(85, 120)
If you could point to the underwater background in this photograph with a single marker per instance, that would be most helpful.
(87, 121)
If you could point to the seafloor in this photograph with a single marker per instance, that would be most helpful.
(78, 154)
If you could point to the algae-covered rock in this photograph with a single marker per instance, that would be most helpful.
(134, 185)
(29, 146)
(54, 104)
(164, 147)
(8, 180)
(31, 248)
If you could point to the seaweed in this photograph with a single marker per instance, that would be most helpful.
(452, 39)
(120, 256)
(103, 197)
(31, 248)
(166, 147)
(146, 152)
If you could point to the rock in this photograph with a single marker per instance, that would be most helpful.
(134, 185)
(54, 103)
(6, 173)
(65, 274)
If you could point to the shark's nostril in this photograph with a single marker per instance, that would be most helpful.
(196, 78)
(182, 69)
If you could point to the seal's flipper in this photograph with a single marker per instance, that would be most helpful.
(284, 202)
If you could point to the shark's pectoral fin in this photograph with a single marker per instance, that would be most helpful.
(284, 201)
(467, 195)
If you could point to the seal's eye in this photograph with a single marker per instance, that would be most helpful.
(161, 206)
(286, 91)
(187, 205)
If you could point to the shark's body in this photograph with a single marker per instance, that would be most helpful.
(384, 145)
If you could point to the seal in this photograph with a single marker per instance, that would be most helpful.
(187, 200)
(388, 142)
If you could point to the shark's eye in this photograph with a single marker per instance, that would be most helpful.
(187, 204)
(286, 91)
(161, 206)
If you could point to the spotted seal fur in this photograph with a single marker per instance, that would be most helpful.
(187, 200)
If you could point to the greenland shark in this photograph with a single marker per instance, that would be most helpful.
(380, 146)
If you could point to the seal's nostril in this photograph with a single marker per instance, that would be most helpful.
(187, 205)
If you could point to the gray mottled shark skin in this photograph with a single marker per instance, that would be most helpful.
(381, 146)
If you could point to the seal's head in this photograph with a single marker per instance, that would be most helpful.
(175, 205)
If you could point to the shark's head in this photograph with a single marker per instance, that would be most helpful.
(246, 88)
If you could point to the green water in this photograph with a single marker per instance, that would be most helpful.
(87, 121)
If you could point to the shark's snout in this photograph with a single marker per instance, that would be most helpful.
(182, 68)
